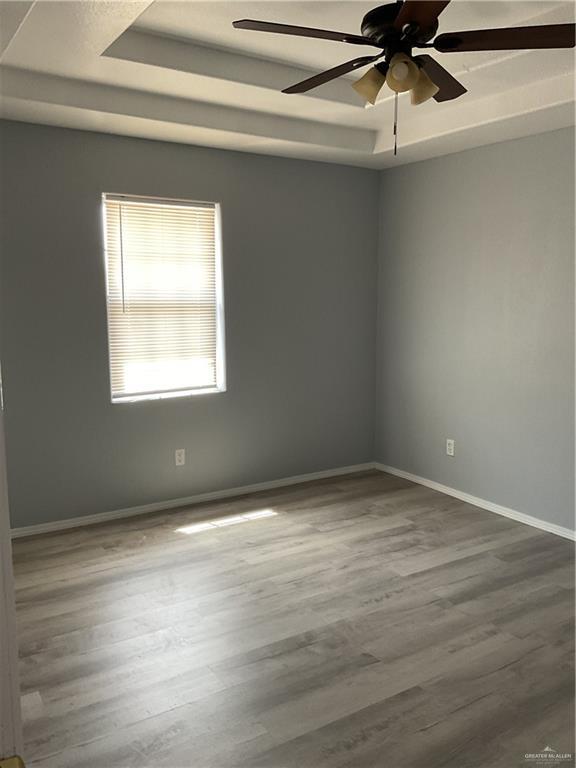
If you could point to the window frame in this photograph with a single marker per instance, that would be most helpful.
(221, 384)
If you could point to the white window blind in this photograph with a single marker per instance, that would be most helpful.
(164, 293)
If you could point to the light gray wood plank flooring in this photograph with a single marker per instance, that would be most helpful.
(369, 622)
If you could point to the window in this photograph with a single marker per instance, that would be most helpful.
(164, 295)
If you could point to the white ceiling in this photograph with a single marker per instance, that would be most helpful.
(178, 71)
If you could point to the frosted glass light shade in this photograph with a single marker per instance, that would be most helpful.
(402, 74)
(423, 90)
(369, 85)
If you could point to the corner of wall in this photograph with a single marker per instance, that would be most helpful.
(378, 356)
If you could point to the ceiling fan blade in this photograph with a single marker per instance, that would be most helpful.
(290, 29)
(330, 74)
(449, 87)
(424, 13)
(513, 38)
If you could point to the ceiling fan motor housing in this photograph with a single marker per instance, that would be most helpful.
(378, 25)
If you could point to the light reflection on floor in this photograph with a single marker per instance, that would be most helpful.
(222, 522)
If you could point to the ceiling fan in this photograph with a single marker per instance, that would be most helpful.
(397, 28)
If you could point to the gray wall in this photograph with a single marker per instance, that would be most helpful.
(476, 323)
(300, 267)
(473, 333)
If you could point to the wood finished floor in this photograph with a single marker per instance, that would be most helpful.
(370, 623)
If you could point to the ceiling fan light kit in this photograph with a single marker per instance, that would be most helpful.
(424, 89)
(396, 29)
(402, 74)
(371, 83)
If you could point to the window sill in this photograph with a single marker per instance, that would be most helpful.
(166, 395)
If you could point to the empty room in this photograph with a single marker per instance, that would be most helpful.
(287, 342)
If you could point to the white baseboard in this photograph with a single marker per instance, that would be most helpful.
(559, 530)
(159, 506)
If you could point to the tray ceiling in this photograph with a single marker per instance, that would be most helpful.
(178, 71)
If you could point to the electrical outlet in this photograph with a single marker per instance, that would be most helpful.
(450, 446)
(180, 457)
